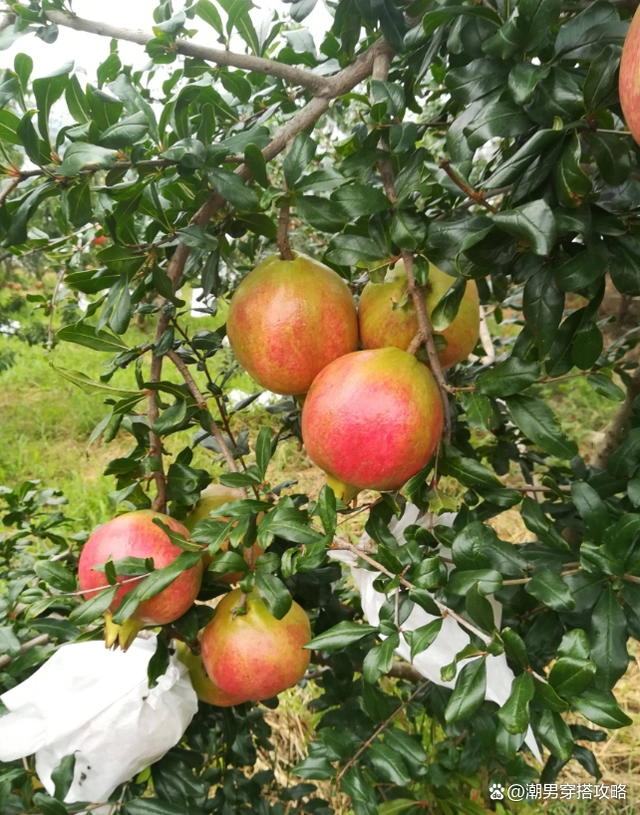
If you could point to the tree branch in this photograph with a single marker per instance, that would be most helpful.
(476, 197)
(202, 403)
(283, 226)
(613, 435)
(41, 639)
(6, 191)
(289, 73)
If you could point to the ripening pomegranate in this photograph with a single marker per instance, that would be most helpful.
(388, 317)
(214, 496)
(99, 240)
(135, 535)
(372, 420)
(205, 689)
(629, 83)
(252, 655)
(288, 319)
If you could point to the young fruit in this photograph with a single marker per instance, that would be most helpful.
(252, 655)
(135, 535)
(288, 319)
(372, 420)
(214, 496)
(205, 689)
(629, 83)
(387, 316)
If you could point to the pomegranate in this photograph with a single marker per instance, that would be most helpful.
(205, 689)
(135, 535)
(288, 319)
(252, 655)
(371, 420)
(214, 496)
(386, 320)
(629, 83)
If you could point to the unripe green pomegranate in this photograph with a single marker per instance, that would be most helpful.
(288, 319)
(371, 420)
(388, 317)
(249, 654)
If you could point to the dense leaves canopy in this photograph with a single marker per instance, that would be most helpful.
(512, 167)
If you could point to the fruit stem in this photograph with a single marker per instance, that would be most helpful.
(283, 226)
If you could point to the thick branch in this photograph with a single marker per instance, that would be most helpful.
(283, 227)
(296, 76)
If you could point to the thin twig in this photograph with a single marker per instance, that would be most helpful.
(197, 395)
(52, 309)
(475, 196)
(380, 730)
(6, 192)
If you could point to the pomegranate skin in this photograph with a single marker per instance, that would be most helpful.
(373, 419)
(288, 319)
(253, 656)
(383, 323)
(135, 535)
(202, 685)
(629, 83)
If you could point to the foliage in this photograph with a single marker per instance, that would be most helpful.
(518, 101)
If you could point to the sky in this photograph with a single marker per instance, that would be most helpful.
(89, 50)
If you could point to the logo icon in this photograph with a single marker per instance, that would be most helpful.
(496, 792)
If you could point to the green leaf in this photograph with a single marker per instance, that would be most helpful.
(550, 589)
(571, 676)
(340, 636)
(62, 776)
(359, 199)
(152, 806)
(612, 156)
(300, 155)
(256, 163)
(80, 156)
(321, 213)
(624, 264)
(126, 132)
(274, 593)
(603, 386)
(47, 90)
(98, 603)
(488, 581)
(600, 81)
(326, 509)
(76, 100)
(446, 309)
(536, 19)
(207, 11)
(608, 640)
(508, 378)
(601, 709)
(538, 423)
(583, 269)
(554, 733)
(380, 659)
(233, 189)
(9, 643)
(263, 451)
(533, 223)
(408, 229)
(514, 714)
(543, 305)
(389, 92)
(571, 182)
(468, 694)
(592, 509)
(421, 638)
(389, 765)
(353, 250)
(56, 575)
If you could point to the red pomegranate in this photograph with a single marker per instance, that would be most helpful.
(288, 319)
(202, 685)
(629, 83)
(387, 317)
(135, 535)
(252, 655)
(372, 420)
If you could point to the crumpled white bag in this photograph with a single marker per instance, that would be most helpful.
(451, 639)
(96, 704)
